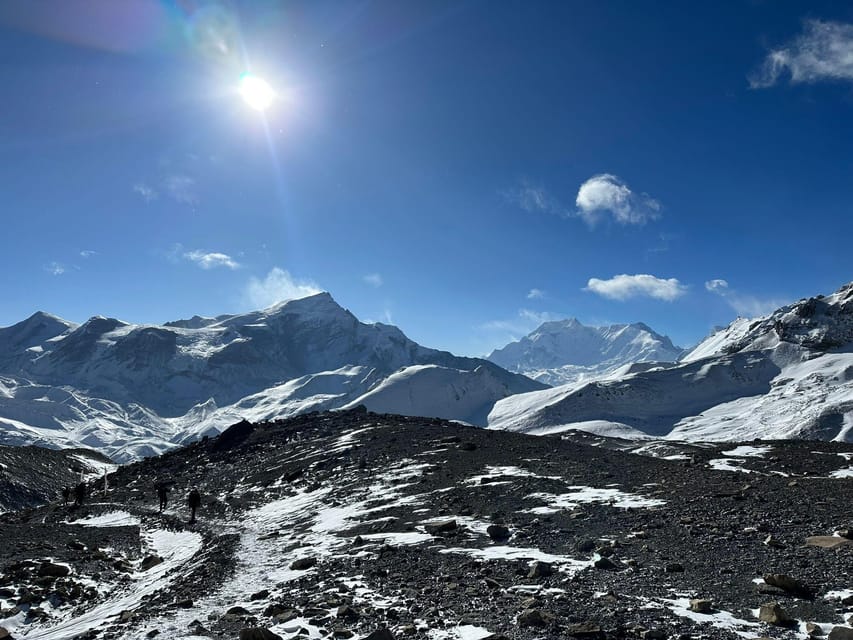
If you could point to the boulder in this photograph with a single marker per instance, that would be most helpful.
(238, 611)
(4, 634)
(540, 570)
(787, 583)
(585, 631)
(813, 629)
(150, 561)
(700, 605)
(534, 618)
(54, 570)
(258, 633)
(437, 528)
(259, 595)
(674, 567)
(841, 633)
(498, 532)
(380, 634)
(303, 563)
(773, 613)
(604, 563)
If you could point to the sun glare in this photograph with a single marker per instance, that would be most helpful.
(256, 91)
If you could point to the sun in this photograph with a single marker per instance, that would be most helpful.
(256, 91)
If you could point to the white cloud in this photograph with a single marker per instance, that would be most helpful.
(823, 51)
(605, 194)
(55, 268)
(277, 286)
(373, 279)
(88, 253)
(535, 294)
(623, 287)
(745, 305)
(182, 189)
(534, 199)
(148, 193)
(211, 260)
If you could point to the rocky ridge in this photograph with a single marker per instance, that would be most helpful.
(352, 524)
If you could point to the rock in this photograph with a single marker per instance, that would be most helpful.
(498, 532)
(585, 630)
(789, 584)
(585, 546)
(771, 541)
(847, 532)
(183, 604)
(380, 634)
(342, 633)
(286, 616)
(814, 629)
(841, 633)
(848, 601)
(540, 570)
(4, 634)
(53, 570)
(258, 633)
(348, 613)
(149, 561)
(259, 595)
(238, 611)
(534, 618)
(773, 613)
(153, 633)
(303, 563)
(468, 446)
(437, 528)
(674, 567)
(125, 616)
(828, 542)
(700, 605)
(604, 563)
(491, 583)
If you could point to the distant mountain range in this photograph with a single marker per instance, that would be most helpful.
(566, 351)
(133, 390)
(786, 375)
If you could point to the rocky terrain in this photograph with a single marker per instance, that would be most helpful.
(351, 524)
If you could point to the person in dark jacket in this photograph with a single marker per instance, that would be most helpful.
(162, 494)
(194, 502)
(79, 494)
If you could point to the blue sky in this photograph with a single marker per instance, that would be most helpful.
(463, 170)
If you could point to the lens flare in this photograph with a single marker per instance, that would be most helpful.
(256, 92)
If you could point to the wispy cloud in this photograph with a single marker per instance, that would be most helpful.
(373, 279)
(88, 253)
(535, 294)
(606, 195)
(278, 285)
(181, 188)
(55, 268)
(526, 321)
(147, 192)
(624, 287)
(211, 260)
(534, 198)
(745, 305)
(823, 51)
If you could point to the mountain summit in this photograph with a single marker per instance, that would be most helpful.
(133, 389)
(566, 351)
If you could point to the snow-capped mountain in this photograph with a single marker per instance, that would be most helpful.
(134, 389)
(785, 375)
(566, 351)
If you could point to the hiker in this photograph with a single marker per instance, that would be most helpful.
(194, 501)
(79, 494)
(162, 494)
(66, 494)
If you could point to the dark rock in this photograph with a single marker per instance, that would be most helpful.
(380, 634)
(605, 563)
(674, 567)
(700, 605)
(238, 611)
(841, 633)
(540, 570)
(150, 561)
(53, 570)
(347, 612)
(787, 583)
(258, 633)
(437, 528)
(498, 532)
(534, 618)
(468, 446)
(259, 595)
(585, 546)
(303, 564)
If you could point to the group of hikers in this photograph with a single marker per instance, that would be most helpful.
(163, 489)
(193, 499)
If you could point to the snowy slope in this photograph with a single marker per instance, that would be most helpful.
(134, 390)
(786, 375)
(567, 351)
